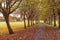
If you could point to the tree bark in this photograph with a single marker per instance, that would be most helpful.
(54, 20)
(54, 17)
(58, 16)
(28, 23)
(31, 22)
(24, 22)
(8, 25)
(59, 21)
(51, 21)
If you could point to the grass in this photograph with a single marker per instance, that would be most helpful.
(14, 25)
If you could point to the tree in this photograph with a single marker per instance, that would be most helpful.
(6, 8)
(58, 11)
(59, 17)
(55, 7)
(27, 8)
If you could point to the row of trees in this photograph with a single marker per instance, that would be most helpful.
(28, 8)
(52, 14)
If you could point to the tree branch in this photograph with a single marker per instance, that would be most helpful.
(13, 3)
(16, 7)
(1, 9)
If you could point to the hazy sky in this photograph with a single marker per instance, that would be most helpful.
(1, 15)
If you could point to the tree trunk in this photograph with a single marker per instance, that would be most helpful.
(59, 21)
(54, 16)
(50, 21)
(54, 20)
(31, 22)
(28, 23)
(24, 22)
(8, 25)
(45, 21)
(59, 18)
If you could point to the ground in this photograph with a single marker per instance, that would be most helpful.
(36, 32)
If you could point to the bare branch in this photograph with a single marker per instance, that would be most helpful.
(1, 9)
(14, 3)
(16, 7)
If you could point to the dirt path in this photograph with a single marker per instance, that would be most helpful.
(45, 33)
